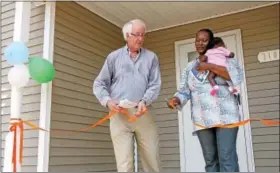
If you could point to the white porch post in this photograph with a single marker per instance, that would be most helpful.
(21, 33)
(135, 156)
(46, 90)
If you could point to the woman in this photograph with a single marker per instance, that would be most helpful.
(218, 144)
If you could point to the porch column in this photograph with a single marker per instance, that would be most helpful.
(46, 90)
(21, 33)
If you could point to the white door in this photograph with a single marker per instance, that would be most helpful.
(190, 150)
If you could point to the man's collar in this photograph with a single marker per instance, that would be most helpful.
(127, 49)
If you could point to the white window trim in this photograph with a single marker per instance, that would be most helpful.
(245, 107)
(46, 90)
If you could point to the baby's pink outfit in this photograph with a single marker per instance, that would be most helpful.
(218, 56)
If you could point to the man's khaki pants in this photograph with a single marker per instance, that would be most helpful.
(146, 134)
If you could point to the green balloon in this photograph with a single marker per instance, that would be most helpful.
(41, 70)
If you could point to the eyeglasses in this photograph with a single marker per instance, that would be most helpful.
(138, 35)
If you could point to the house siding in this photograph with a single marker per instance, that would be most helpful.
(260, 32)
(31, 93)
(82, 42)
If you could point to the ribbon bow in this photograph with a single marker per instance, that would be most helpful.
(14, 126)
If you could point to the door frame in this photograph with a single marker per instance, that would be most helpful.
(243, 87)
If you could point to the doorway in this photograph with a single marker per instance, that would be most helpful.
(191, 157)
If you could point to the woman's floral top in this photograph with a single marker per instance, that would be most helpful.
(207, 110)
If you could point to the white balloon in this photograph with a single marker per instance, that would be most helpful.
(18, 76)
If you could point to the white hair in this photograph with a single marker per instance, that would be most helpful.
(127, 28)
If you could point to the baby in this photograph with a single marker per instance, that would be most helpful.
(217, 55)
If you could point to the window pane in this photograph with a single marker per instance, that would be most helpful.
(192, 55)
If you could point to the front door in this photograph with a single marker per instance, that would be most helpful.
(190, 150)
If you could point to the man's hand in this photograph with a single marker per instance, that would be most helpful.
(113, 105)
(173, 102)
(141, 108)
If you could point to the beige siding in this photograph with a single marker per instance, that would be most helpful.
(260, 32)
(31, 93)
(82, 41)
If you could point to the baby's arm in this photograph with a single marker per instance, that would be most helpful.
(227, 52)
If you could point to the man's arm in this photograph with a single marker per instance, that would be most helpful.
(102, 83)
(154, 84)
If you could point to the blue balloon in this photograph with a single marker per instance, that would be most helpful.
(16, 53)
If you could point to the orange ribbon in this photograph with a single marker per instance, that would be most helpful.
(112, 113)
(241, 123)
(13, 128)
(171, 103)
(19, 124)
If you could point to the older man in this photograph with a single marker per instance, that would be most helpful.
(132, 73)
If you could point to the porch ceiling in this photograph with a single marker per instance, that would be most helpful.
(159, 15)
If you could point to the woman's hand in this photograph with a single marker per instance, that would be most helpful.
(218, 70)
(173, 103)
(203, 66)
